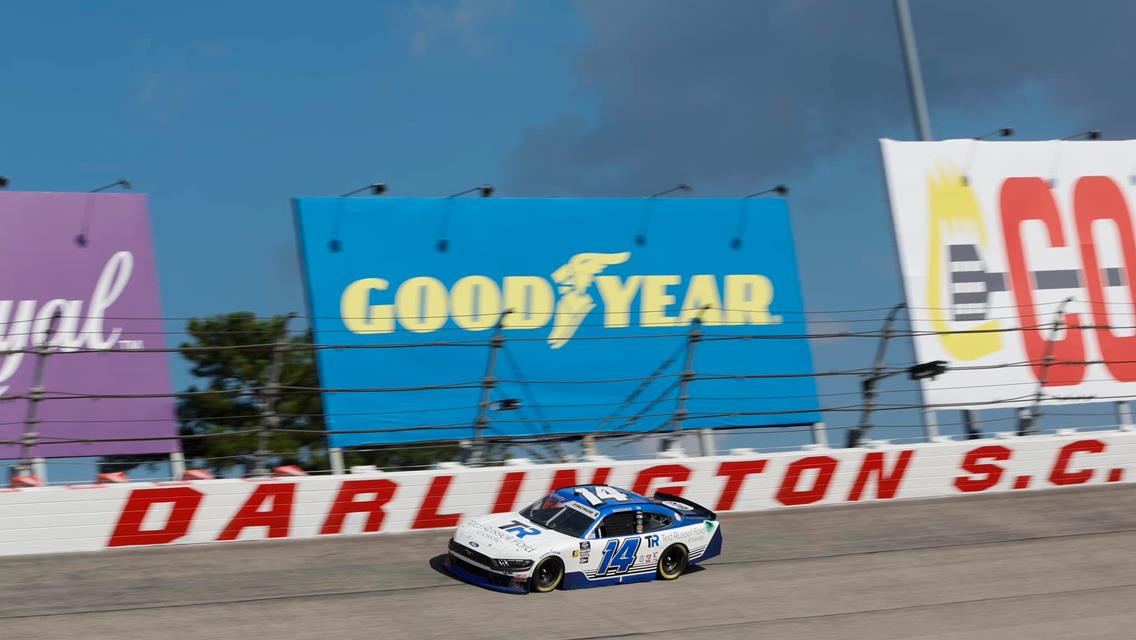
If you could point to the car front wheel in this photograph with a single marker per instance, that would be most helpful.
(673, 562)
(547, 575)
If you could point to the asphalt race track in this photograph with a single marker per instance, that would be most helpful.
(1058, 564)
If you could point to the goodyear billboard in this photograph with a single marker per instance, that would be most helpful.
(594, 299)
(1018, 261)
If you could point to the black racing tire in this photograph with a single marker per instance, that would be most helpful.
(547, 575)
(673, 562)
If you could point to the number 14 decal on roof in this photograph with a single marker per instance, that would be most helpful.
(602, 494)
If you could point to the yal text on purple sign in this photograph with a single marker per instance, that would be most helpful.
(94, 308)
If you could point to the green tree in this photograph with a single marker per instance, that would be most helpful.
(232, 354)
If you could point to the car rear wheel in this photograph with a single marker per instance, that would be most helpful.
(673, 562)
(547, 575)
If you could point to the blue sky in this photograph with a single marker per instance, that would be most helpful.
(223, 111)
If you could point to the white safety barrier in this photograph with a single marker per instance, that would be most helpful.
(89, 518)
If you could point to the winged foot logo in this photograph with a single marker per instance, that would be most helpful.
(424, 304)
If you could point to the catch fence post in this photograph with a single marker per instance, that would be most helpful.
(869, 382)
(473, 454)
(269, 421)
(35, 396)
(687, 376)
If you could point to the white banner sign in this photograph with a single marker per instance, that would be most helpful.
(996, 239)
(96, 517)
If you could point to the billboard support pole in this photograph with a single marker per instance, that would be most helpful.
(269, 421)
(930, 425)
(488, 382)
(1124, 415)
(820, 435)
(972, 432)
(177, 465)
(687, 376)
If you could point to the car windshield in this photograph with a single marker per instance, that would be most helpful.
(560, 515)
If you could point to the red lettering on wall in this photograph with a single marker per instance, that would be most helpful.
(507, 495)
(983, 476)
(789, 495)
(277, 517)
(887, 484)
(1025, 199)
(128, 530)
(1098, 198)
(380, 492)
(567, 478)
(428, 516)
(1061, 476)
(673, 472)
(735, 473)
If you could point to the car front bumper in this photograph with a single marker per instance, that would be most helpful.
(473, 574)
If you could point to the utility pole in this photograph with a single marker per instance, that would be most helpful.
(914, 72)
(269, 421)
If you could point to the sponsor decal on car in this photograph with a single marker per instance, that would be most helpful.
(588, 511)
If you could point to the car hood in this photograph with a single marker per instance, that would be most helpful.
(510, 535)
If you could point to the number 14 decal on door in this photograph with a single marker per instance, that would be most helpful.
(618, 557)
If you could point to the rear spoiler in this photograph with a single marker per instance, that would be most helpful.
(695, 508)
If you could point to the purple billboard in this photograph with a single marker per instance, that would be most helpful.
(80, 268)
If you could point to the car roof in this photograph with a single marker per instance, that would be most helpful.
(600, 492)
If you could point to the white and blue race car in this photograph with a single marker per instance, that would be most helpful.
(584, 536)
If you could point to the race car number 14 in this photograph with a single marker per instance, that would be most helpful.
(618, 556)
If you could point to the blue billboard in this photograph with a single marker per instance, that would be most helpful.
(594, 299)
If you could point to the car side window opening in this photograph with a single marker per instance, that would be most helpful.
(655, 522)
(618, 524)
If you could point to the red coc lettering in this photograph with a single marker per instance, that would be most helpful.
(1022, 200)
(1099, 198)
(128, 530)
